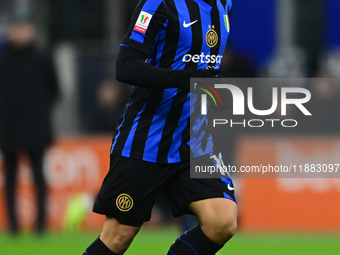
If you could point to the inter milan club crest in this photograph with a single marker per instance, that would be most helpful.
(124, 202)
(212, 37)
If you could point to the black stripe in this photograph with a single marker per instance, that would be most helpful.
(145, 121)
(185, 149)
(171, 124)
(172, 38)
(224, 3)
(134, 17)
(135, 105)
(154, 57)
(156, 23)
(196, 29)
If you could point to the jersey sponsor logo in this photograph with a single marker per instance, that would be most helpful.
(143, 22)
(226, 22)
(211, 37)
(124, 202)
(185, 25)
(202, 58)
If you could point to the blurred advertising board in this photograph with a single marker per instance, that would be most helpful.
(303, 193)
(76, 166)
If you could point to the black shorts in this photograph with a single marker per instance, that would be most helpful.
(129, 189)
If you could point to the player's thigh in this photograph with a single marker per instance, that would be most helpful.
(215, 212)
(218, 218)
(216, 207)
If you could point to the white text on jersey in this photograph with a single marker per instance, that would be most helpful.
(202, 58)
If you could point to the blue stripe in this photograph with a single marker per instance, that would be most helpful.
(118, 134)
(128, 144)
(196, 144)
(157, 125)
(209, 149)
(206, 22)
(150, 7)
(185, 35)
(228, 181)
(177, 135)
(197, 137)
(124, 45)
(85, 252)
(223, 33)
(227, 196)
(171, 252)
(193, 100)
(188, 244)
(160, 45)
(230, 4)
(204, 5)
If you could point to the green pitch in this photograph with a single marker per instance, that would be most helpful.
(157, 242)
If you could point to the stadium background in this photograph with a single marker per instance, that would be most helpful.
(269, 38)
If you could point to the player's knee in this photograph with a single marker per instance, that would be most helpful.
(125, 237)
(116, 236)
(227, 228)
(221, 229)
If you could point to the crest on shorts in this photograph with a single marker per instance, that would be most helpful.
(212, 37)
(124, 202)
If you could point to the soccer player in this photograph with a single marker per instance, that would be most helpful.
(167, 43)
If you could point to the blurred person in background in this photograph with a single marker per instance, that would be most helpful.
(2, 44)
(110, 99)
(28, 88)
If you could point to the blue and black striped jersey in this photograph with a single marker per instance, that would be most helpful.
(174, 34)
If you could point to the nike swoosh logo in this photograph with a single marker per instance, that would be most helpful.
(230, 188)
(189, 24)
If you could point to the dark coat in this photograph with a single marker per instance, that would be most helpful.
(28, 87)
